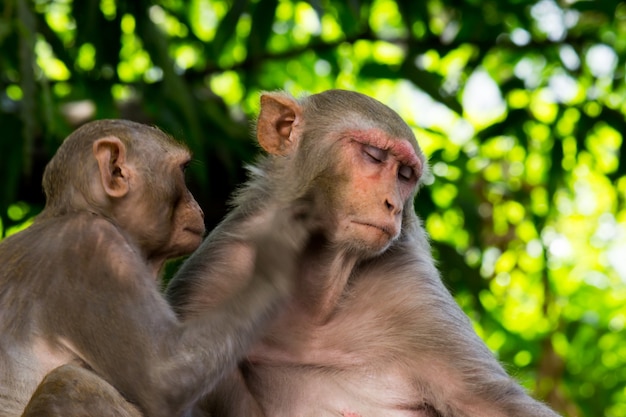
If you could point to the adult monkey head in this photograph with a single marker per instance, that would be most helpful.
(361, 156)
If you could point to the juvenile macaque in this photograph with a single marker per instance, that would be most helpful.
(80, 302)
(371, 330)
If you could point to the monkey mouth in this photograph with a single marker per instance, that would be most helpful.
(385, 229)
(195, 231)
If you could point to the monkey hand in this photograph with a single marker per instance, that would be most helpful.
(281, 240)
(304, 216)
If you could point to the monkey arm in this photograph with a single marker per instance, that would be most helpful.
(457, 370)
(120, 326)
(124, 330)
(218, 270)
(225, 262)
(230, 397)
(234, 268)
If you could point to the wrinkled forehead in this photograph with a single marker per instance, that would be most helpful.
(403, 137)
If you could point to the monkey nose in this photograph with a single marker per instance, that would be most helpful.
(393, 206)
(198, 209)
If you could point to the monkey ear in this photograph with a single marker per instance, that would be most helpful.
(278, 118)
(110, 152)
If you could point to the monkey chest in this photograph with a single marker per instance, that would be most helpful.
(312, 391)
(356, 365)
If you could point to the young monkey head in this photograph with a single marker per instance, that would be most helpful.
(357, 152)
(133, 175)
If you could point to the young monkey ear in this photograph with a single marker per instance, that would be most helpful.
(110, 152)
(278, 118)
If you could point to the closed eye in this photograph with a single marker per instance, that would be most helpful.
(375, 154)
(405, 172)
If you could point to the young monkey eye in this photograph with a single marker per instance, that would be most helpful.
(183, 169)
(374, 153)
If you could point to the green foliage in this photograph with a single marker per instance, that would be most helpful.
(519, 105)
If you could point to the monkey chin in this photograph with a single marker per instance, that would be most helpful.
(187, 243)
(368, 241)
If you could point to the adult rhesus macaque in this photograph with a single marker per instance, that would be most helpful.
(371, 330)
(79, 294)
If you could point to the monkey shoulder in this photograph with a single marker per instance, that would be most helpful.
(85, 247)
(60, 231)
(49, 247)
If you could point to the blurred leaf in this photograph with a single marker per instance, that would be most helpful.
(414, 13)
(90, 27)
(27, 31)
(175, 91)
(377, 70)
(349, 18)
(228, 26)
(5, 29)
(429, 83)
(262, 21)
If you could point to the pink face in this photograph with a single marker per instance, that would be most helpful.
(381, 173)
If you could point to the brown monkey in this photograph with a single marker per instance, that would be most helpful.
(371, 330)
(79, 295)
